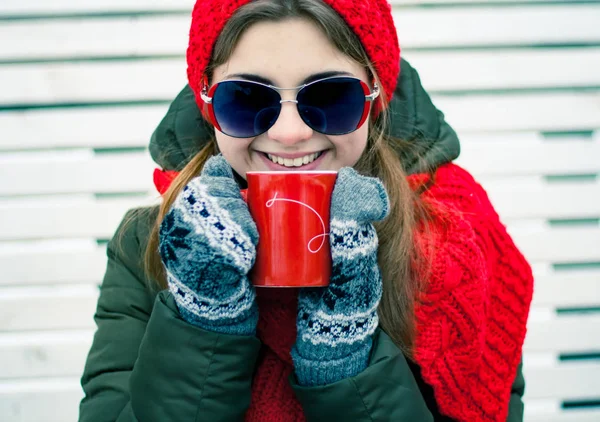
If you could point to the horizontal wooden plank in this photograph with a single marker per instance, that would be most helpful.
(507, 69)
(486, 25)
(563, 415)
(137, 80)
(452, 3)
(92, 81)
(168, 34)
(519, 198)
(568, 289)
(56, 308)
(79, 262)
(572, 381)
(14, 7)
(76, 171)
(44, 354)
(529, 154)
(35, 7)
(86, 37)
(566, 333)
(64, 217)
(43, 400)
(522, 112)
(95, 127)
(559, 244)
(100, 127)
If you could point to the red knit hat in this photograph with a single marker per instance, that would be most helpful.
(371, 21)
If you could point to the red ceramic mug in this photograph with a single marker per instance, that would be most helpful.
(291, 211)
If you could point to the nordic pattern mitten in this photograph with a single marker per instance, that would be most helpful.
(336, 323)
(208, 244)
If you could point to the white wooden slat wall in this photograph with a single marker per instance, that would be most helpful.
(83, 84)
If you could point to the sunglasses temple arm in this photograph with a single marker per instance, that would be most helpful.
(205, 97)
(373, 96)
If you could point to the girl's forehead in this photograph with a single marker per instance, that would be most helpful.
(286, 52)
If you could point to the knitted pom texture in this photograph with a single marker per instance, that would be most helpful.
(208, 19)
(371, 21)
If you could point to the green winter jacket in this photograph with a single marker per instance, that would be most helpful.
(147, 364)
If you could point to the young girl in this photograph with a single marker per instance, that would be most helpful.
(425, 316)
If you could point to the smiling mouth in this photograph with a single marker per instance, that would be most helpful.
(294, 162)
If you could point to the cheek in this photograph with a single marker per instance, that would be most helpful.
(234, 150)
(363, 138)
(356, 143)
(224, 143)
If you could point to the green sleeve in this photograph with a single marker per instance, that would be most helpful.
(515, 407)
(385, 391)
(146, 363)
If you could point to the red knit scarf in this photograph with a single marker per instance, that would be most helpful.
(273, 399)
(471, 318)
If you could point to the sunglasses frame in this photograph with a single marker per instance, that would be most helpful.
(207, 96)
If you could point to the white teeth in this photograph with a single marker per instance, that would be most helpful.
(294, 162)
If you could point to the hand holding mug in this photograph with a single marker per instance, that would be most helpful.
(336, 323)
(208, 245)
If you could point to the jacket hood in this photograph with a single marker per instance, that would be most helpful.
(413, 118)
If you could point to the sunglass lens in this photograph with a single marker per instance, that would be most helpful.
(333, 106)
(245, 109)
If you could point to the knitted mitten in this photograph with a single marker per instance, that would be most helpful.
(336, 323)
(208, 244)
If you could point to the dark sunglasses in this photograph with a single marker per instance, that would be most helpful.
(332, 106)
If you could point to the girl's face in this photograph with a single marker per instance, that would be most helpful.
(285, 54)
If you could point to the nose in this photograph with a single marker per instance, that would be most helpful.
(289, 129)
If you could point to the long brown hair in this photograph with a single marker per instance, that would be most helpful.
(397, 254)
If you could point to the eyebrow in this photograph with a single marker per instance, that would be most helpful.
(311, 78)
